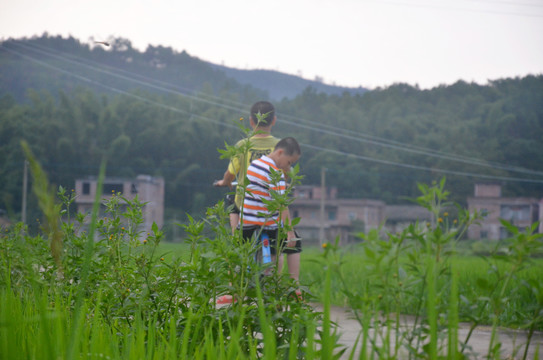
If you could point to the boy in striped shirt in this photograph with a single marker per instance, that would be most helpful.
(261, 183)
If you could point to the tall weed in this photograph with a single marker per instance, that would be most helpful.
(105, 290)
(105, 273)
(416, 273)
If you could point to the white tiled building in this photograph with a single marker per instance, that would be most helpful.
(150, 190)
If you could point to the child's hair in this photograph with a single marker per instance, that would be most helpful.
(290, 145)
(266, 111)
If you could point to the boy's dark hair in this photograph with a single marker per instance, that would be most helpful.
(290, 145)
(266, 111)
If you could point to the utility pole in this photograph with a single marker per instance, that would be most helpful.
(25, 190)
(323, 195)
(174, 225)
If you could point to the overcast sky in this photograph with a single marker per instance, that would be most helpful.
(345, 42)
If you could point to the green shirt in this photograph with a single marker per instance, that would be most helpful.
(259, 146)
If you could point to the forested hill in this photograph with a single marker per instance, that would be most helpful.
(281, 85)
(376, 145)
(49, 62)
(53, 63)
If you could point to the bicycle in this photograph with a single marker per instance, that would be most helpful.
(261, 244)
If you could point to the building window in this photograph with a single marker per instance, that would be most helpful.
(515, 212)
(484, 235)
(296, 214)
(86, 188)
(134, 188)
(331, 215)
(352, 216)
(113, 188)
(303, 194)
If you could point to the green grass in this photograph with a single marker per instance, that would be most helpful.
(470, 268)
(110, 294)
(172, 251)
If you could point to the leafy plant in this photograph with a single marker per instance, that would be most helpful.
(416, 273)
(115, 277)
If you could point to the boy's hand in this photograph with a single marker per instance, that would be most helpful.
(227, 180)
(291, 239)
(221, 183)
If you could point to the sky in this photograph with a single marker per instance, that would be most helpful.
(367, 43)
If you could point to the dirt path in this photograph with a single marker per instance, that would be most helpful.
(513, 342)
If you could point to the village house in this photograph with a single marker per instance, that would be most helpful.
(399, 217)
(488, 202)
(325, 216)
(149, 189)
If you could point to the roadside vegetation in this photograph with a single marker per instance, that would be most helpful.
(91, 286)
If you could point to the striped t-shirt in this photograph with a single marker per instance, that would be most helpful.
(255, 211)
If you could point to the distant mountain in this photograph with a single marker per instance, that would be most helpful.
(54, 63)
(171, 111)
(280, 85)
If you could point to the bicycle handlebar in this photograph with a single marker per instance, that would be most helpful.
(234, 183)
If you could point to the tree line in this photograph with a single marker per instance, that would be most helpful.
(375, 145)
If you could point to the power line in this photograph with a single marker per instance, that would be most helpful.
(512, 3)
(417, 167)
(423, 151)
(174, 109)
(123, 92)
(312, 126)
(433, 5)
(163, 86)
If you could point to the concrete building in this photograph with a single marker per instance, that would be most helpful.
(345, 218)
(150, 190)
(488, 201)
(399, 217)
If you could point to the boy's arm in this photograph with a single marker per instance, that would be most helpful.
(285, 216)
(226, 180)
(230, 173)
